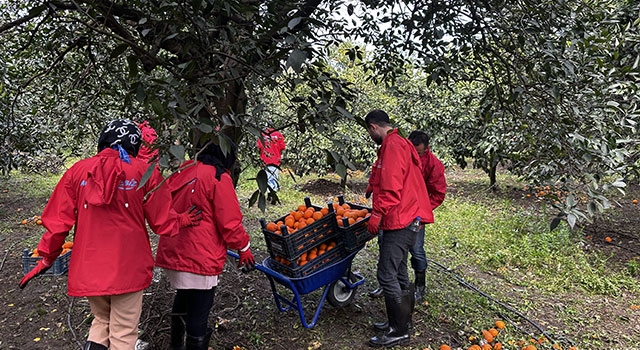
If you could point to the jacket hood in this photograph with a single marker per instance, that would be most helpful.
(104, 178)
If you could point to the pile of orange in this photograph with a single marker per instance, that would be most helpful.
(66, 247)
(33, 220)
(297, 219)
(309, 255)
(353, 215)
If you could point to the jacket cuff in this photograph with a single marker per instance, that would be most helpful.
(246, 248)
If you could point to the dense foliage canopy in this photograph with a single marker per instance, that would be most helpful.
(545, 88)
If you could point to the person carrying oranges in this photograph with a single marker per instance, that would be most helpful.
(400, 206)
(194, 259)
(111, 262)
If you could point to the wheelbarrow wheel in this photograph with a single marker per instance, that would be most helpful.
(340, 295)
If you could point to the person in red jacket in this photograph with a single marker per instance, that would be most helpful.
(433, 174)
(400, 206)
(111, 263)
(271, 155)
(194, 259)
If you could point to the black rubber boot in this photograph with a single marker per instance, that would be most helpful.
(383, 326)
(93, 346)
(398, 313)
(420, 285)
(177, 333)
(199, 343)
(376, 293)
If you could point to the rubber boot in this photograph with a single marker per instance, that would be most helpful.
(199, 343)
(420, 285)
(376, 293)
(177, 333)
(383, 326)
(93, 346)
(398, 313)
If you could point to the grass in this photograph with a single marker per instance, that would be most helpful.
(501, 247)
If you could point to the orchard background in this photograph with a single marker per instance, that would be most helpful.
(528, 101)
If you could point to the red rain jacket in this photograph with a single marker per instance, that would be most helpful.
(399, 192)
(202, 249)
(433, 174)
(271, 151)
(111, 252)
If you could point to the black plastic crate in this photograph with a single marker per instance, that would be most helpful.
(355, 235)
(292, 245)
(60, 266)
(321, 261)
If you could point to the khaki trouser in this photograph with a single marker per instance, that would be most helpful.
(116, 318)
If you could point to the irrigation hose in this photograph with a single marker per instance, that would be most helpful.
(468, 285)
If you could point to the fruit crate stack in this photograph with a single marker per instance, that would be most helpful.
(352, 222)
(303, 241)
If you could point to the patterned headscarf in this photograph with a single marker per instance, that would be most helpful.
(122, 135)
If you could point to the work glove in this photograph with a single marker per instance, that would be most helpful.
(373, 224)
(368, 192)
(43, 265)
(247, 262)
(190, 218)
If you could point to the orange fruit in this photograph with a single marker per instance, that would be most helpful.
(608, 239)
(352, 221)
(486, 346)
(494, 332)
(35, 252)
(38, 222)
(500, 324)
(67, 245)
(271, 226)
(64, 251)
(445, 347)
(302, 207)
(308, 213)
(24, 222)
(289, 222)
(340, 211)
(487, 336)
(312, 256)
(324, 211)
(298, 215)
(635, 201)
(475, 347)
(346, 206)
(497, 346)
(317, 215)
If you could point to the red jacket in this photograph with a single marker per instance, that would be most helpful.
(399, 193)
(111, 252)
(271, 151)
(433, 174)
(202, 249)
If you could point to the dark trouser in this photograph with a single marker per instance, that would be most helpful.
(193, 306)
(418, 255)
(392, 263)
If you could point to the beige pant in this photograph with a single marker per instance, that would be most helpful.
(116, 318)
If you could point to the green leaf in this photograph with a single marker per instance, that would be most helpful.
(296, 59)
(147, 174)
(254, 198)
(177, 151)
(554, 223)
(341, 170)
(262, 202)
(205, 128)
(119, 50)
(294, 22)
(261, 179)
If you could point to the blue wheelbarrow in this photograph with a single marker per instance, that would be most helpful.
(337, 279)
